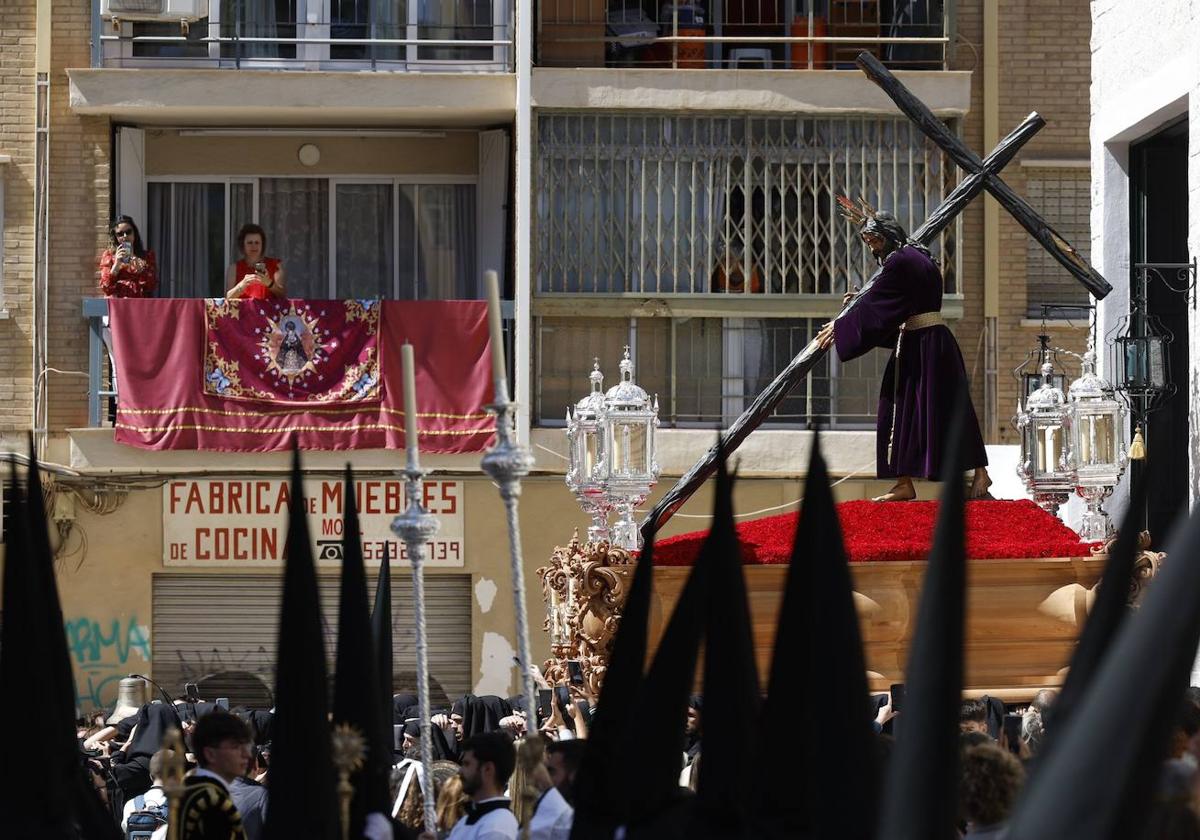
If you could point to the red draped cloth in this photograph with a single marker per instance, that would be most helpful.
(256, 376)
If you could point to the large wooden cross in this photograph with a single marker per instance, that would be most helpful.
(981, 175)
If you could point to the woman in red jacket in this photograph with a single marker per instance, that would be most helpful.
(127, 268)
(255, 276)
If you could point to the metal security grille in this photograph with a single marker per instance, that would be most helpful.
(1063, 197)
(652, 204)
(220, 631)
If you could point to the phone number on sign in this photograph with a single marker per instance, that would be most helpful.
(436, 551)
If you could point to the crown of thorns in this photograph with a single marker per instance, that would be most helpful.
(857, 214)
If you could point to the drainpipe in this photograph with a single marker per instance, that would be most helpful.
(991, 222)
(41, 223)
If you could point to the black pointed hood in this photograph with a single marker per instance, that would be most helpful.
(58, 800)
(652, 782)
(381, 629)
(728, 769)
(1098, 779)
(302, 774)
(1109, 611)
(599, 798)
(921, 798)
(356, 697)
(819, 654)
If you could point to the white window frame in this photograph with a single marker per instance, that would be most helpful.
(314, 20)
(4, 161)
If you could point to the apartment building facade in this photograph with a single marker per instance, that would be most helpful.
(661, 178)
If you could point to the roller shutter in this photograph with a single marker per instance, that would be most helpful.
(219, 631)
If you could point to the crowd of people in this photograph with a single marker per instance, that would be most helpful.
(493, 779)
(484, 760)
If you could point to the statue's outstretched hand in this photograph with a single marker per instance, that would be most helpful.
(825, 336)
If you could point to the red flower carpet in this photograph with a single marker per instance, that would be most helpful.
(899, 531)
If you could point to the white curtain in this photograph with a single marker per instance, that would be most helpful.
(366, 257)
(184, 227)
(448, 20)
(253, 19)
(438, 242)
(295, 214)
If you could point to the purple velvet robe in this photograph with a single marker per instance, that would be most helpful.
(931, 369)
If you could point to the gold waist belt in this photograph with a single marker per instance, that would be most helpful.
(922, 321)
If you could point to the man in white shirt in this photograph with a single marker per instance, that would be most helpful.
(153, 801)
(488, 760)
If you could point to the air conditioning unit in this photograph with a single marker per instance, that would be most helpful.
(164, 10)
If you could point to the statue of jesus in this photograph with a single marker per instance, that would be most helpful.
(901, 309)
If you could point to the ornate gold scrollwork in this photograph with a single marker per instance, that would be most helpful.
(584, 589)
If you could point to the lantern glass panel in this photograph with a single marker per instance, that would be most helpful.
(590, 454)
(1033, 381)
(1049, 448)
(629, 448)
(1096, 440)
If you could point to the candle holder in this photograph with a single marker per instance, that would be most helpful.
(174, 767)
(417, 526)
(507, 462)
(349, 749)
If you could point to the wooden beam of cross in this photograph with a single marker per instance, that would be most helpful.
(981, 175)
(936, 130)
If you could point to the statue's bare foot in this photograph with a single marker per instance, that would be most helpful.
(980, 484)
(902, 491)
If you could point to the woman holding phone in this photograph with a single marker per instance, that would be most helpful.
(255, 276)
(127, 267)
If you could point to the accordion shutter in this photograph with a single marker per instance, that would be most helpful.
(220, 632)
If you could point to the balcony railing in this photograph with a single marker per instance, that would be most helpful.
(470, 36)
(743, 34)
(102, 391)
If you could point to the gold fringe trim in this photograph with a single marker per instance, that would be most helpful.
(369, 427)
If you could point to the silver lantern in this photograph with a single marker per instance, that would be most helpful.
(630, 420)
(1096, 446)
(1042, 422)
(587, 470)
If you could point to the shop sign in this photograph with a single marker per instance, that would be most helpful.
(243, 521)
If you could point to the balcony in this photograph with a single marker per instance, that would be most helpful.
(102, 393)
(468, 36)
(743, 34)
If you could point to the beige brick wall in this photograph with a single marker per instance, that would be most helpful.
(79, 202)
(1045, 66)
(17, 80)
(78, 179)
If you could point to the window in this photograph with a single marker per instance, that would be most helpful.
(338, 237)
(1063, 198)
(707, 207)
(705, 371)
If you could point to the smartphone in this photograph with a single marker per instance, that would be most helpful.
(517, 662)
(223, 702)
(562, 696)
(544, 700)
(397, 737)
(575, 670)
(897, 692)
(1012, 731)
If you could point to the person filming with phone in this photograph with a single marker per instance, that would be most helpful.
(127, 267)
(255, 276)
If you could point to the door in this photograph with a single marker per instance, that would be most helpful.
(1159, 217)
